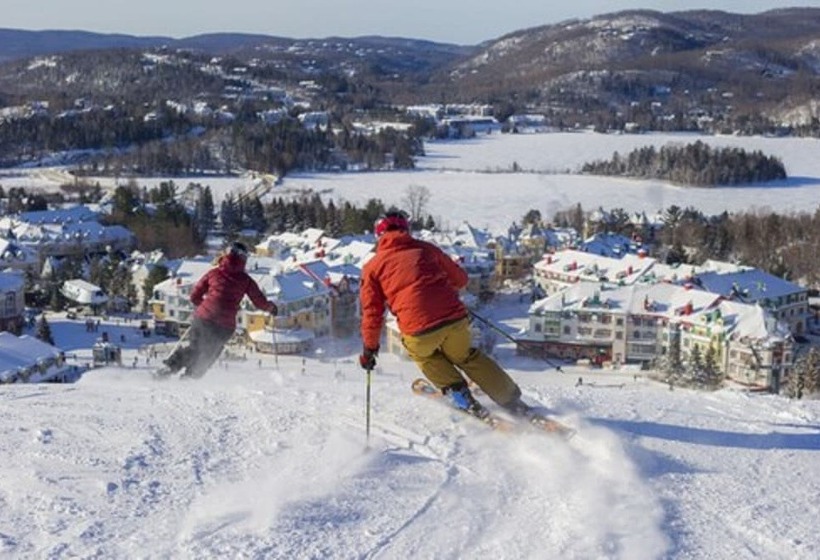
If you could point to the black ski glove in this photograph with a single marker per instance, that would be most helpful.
(367, 359)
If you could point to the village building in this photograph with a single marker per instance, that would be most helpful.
(18, 257)
(25, 359)
(638, 323)
(787, 301)
(84, 294)
(171, 305)
(65, 232)
(557, 271)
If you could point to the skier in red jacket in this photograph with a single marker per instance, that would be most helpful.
(420, 285)
(216, 299)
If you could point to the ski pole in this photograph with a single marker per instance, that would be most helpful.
(367, 411)
(501, 331)
(272, 318)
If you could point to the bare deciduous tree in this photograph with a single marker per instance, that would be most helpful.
(415, 201)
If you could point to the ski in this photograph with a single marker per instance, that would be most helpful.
(545, 423)
(426, 389)
(529, 416)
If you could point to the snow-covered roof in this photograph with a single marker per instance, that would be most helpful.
(350, 251)
(661, 299)
(750, 322)
(188, 271)
(60, 216)
(290, 286)
(748, 285)
(676, 273)
(22, 352)
(610, 245)
(463, 235)
(83, 292)
(11, 281)
(590, 267)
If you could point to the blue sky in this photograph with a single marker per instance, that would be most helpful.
(450, 21)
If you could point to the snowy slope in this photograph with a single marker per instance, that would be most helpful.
(272, 462)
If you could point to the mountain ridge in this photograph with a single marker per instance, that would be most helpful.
(633, 70)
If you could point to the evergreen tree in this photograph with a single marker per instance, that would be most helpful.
(804, 379)
(56, 300)
(44, 330)
(157, 274)
(205, 215)
(695, 364)
(230, 216)
(254, 215)
(670, 363)
(711, 376)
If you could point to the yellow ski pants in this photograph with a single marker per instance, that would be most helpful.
(441, 353)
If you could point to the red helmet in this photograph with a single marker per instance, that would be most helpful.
(394, 220)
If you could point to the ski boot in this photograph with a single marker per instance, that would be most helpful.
(462, 399)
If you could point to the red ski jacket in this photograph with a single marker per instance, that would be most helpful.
(217, 294)
(416, 280)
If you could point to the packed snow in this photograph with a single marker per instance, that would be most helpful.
(268, 457)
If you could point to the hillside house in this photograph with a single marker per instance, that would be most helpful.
(85, 294)
(170, 304)
(343, 282)
(303, 302)
(528, 124)
(753, 347)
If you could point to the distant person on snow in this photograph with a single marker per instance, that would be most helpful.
(419, 284)
(216, 298)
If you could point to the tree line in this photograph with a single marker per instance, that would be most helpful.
(693, 164)
(785, 245)
(127, 140)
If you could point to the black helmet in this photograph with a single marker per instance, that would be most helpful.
(239, 249)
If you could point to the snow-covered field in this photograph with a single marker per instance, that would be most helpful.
(271, 461)
(471, 179)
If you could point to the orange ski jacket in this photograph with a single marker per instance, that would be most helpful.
(416, 281)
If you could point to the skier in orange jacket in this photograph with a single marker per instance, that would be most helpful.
(419, 284)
